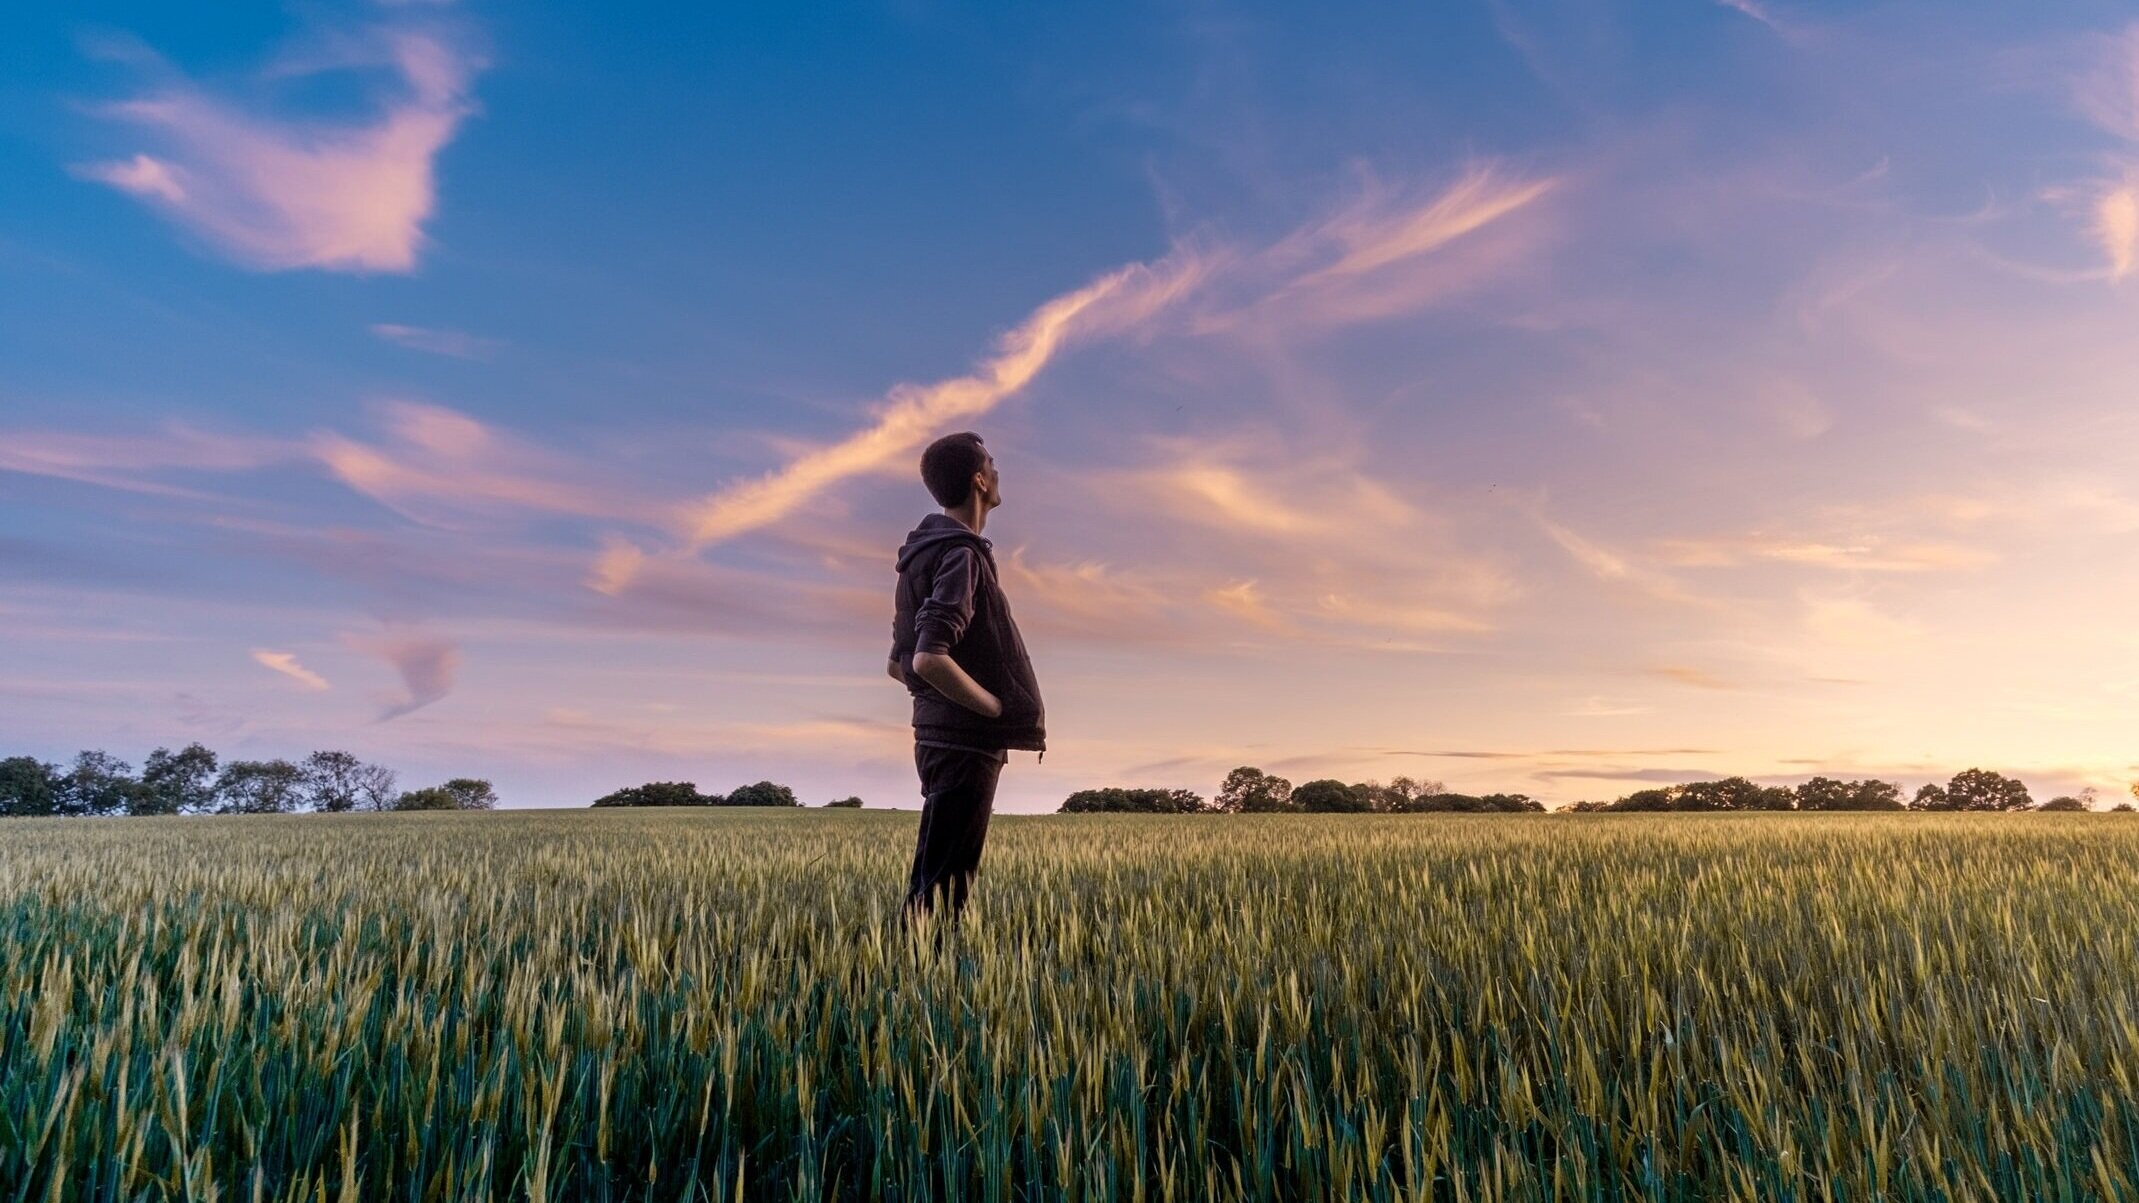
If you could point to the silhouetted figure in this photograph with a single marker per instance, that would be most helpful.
(957, 650)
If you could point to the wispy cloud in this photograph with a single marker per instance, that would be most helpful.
(439, 463)
(2106, 89)
(1383, 254)
(455, 343)
(911, 414)
(1866, 553)
(2116, 224)
(427, 665)
(286, 664)
(127, 461)
(1611, 566)
(1696, 677)
(615, 567)
(1349, 267)
(276, 192)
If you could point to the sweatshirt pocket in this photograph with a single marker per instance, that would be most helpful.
(1018, 702)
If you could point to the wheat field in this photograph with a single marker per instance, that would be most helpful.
(718, 1005)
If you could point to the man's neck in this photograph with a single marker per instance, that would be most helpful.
(973, 514)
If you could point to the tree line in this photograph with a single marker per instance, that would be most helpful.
(685, 793)
(1249, 790)
(195, 781)
(1969, 790)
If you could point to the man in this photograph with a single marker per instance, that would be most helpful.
(957, 650)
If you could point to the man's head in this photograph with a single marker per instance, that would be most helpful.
(957, 469)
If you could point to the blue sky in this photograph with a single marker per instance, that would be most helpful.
(1548, 397)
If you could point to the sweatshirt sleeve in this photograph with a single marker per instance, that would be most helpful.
(942, 617)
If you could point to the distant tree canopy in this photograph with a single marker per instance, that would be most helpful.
(1250, 790)
(1327, 795)
(1475, 804)
(2064, 802)
(685, 793)
(181, 782)
(1974, 789)
(657, 793)
(258, 787)
(844, 803)
(1826, 793)
(763, 793)
(28, 786)
(337, 781)
(193, 781)
(432, 797)
(1135, 801)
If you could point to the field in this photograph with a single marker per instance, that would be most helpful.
(717, 1005)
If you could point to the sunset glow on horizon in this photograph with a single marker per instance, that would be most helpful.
(1552, 398)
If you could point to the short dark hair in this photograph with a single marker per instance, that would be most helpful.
(947, 467)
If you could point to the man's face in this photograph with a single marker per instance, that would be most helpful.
(988, 483)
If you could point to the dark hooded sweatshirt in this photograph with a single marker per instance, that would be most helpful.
(950, 602)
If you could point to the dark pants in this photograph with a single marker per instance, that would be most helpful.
(958, 792)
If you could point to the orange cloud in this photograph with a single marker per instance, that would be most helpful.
(286, 664)
(2116, 224)
(911, 415)
(616, 566)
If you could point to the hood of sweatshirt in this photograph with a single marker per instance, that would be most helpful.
(937, 529)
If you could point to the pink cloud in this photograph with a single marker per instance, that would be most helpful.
(438, 464)
(427, 665)
(276, 193)
(123, 461)
(286, 664)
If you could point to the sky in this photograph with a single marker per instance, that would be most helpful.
(1544, 396)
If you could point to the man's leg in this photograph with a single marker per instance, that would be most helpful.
(958, 796)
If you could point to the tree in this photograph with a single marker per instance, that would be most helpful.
(258, 787)
(1875, 795)
(1250, 790)
(98, 784)
(658, 793)
(375, 787)
(1823, 793)
(1657, 799)
(1400, 796)
(763, 793)
(472, 793)
(28, 787)
(1585, 807)
(847, 803)
(2063, 802)
(1981, 789)
(429, 798)
(1406, 795)
(1931, 796)
(181, 782)
(1330, 796)
(2124, 808)
(333, 781)
(1730, 793)
(1115, 799)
